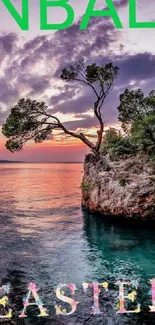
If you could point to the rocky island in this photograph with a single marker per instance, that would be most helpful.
(119, 172)
(121, 189)
(120, 182)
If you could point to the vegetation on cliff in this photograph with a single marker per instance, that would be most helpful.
(137, 114)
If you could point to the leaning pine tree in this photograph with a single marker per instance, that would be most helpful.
(30, 119)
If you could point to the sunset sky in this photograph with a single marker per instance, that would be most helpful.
(31, 62)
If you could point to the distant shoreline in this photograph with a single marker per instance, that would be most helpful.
(10, 162)
(45, 162)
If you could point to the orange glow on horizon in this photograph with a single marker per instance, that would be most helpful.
(60, 148)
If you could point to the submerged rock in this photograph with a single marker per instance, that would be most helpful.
(123, 188)
(119, 244)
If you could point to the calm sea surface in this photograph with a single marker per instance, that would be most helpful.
(45, 237)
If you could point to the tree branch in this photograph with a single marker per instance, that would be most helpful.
(80, 136)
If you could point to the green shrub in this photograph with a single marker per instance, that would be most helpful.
(84, 186)
(123, 182)
(143, 134)
(117, 145)
(152, 159)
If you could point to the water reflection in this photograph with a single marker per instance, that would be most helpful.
(46, 238)
(118, 245)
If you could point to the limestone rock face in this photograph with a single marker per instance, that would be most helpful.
(124, 188)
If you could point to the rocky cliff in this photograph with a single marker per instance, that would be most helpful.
(124, 188)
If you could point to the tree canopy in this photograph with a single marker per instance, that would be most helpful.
(30, 119)
(137, 114)
(135, 106)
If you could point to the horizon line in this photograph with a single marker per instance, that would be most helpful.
(39, 162)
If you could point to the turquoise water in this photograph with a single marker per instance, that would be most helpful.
(45, 237)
